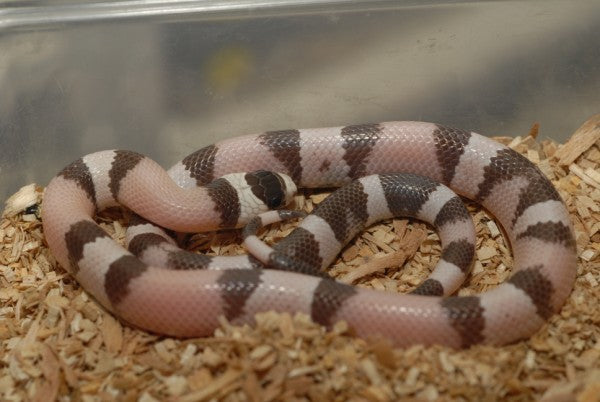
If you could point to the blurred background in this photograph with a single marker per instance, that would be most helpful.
(167, 77)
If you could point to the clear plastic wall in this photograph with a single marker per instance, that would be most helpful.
(165, 78)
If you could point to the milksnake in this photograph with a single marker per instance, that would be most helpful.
(182, 301)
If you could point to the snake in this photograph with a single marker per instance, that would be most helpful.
(367, 161)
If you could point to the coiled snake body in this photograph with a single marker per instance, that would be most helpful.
(180, 301)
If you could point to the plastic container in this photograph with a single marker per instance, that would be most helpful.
(165, 78)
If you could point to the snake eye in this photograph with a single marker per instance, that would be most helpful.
(275, 202)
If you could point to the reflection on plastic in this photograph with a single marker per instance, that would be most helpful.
(165, 78)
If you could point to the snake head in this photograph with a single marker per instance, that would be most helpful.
(261, 191)
(273, 189)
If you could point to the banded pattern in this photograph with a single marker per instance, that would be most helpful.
(154, 246)
(340, 217)
(188, 302)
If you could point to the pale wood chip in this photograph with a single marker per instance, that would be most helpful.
(446, 363)
(412, 376)
(24, 198)
(176, 385)
(589, 277)
(485, 253)
(533, 156)
(581, 140)
(210, 357)
(48, 389)
(373, 265)
(112, 333)
(581, 174)
(370, 370)
(515, 142)
(146, 397)
(318, 198)
(263, 357)
(589, 254)
(593, 173)
(299, 371)
(493, 228)
(200, 379)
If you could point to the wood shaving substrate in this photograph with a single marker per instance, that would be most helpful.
(56, 343)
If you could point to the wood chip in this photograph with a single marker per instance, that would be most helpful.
(24, 198)
(378, 264)
(112, 333)
(583, 176)
(493, 228)
(486, 252)
(585, 136)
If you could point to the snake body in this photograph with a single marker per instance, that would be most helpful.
(188, 302)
